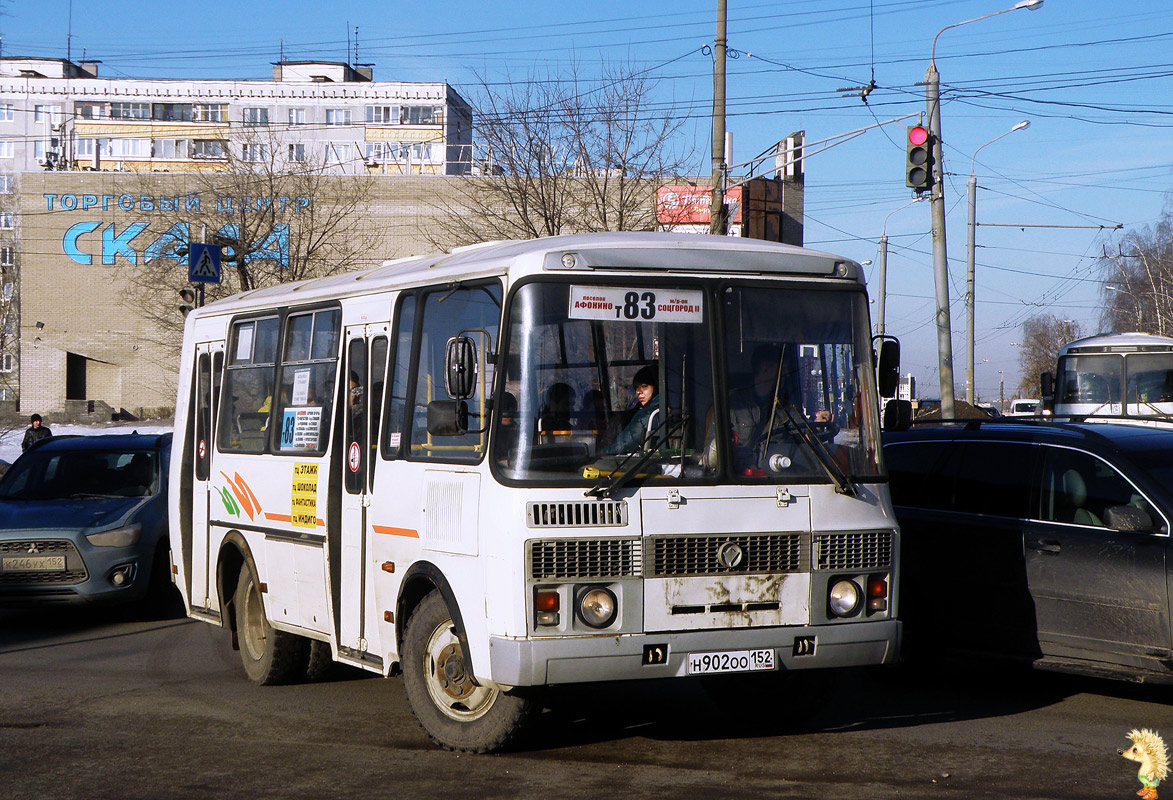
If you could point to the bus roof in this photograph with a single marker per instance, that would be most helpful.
(577, 253)
(1132, 342)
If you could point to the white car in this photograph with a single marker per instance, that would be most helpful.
(1023, 407)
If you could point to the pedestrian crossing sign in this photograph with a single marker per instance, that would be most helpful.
(203, 263)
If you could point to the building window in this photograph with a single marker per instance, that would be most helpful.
(208, 148)
(128, 148)
(256, 117)
(7, 291)
(420, 115)
(7, 363)
(6, 112)
(50, 114)
(255, 153)
(130, 111)
(377, 151)
(337, 154)
(7, 256)
(89, 110)
(382, 115)
(7, 220)
(6, 183)
(337, 116)
(171, 112)
(297, 152)
(297, 116)
(171, 148)
(209, 112)
(6, 150)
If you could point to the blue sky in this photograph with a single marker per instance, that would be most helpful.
(1093, 79)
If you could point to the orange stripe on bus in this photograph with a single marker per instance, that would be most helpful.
(279, 517)
(408, 532)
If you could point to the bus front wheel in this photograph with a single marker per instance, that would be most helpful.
(454, 710)
(270, 656)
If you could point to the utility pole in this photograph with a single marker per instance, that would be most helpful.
(940, 253)
(718, 223)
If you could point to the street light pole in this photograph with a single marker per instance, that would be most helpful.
(717, 211)
(937, 198)
(883, 267)
(970, 247)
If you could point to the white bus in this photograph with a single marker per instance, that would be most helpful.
(1114, 375)
(523, 464)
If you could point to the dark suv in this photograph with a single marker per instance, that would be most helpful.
(83, 519)
(1047, 541)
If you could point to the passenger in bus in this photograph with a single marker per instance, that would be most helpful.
(593, 415)
(507, 430)
(631, 438)
(558, 413)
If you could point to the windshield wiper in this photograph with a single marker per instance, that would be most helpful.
(808, 436)
(610, 484)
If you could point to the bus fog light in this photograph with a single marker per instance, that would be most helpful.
(597, 607)
(878, 604)
(547, 617)
(844, 598)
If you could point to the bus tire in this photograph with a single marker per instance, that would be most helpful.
(270, 657)
(319, 661)
(456, 712)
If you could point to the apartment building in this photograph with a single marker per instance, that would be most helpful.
(64, 119)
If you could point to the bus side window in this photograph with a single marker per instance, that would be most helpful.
(398, 379)
(248, 384)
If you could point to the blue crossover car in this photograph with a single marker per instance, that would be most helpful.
(83, 519)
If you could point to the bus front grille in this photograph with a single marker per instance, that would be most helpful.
(577, 514)
(854, 551)
(741, 554)
(585, 559)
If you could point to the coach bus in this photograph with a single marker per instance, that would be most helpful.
(1114, 375)
(523, 464)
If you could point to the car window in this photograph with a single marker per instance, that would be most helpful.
(994, 478)
(908, 463)
(43, 475)
(1078, 488)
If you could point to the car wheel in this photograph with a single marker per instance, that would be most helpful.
(270, 656)
(454, 710)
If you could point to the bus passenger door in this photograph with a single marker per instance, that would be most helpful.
(209, 364)
(366, 364)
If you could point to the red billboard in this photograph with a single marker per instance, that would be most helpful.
(689, 205)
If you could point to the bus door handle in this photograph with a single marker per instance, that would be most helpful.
(1045, 546)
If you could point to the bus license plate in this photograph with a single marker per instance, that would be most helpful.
(730, 661)
(32, 563)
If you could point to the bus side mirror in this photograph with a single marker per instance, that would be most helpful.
(1047, 384)
(897, 415)
(888, 366)
(447, 417)
(460, 373)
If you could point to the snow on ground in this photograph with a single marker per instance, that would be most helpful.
(10, 442)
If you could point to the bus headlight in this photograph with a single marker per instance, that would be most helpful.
(597, 607)
(844, 598)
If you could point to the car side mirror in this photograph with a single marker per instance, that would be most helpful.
(897, 415)
(1127, 518)
(447, 417)
(460, 367)
(888, 365)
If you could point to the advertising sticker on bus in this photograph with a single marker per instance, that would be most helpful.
(632, 304)
(300, 428)
(304, 496)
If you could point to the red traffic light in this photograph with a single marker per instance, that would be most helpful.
(918, 135)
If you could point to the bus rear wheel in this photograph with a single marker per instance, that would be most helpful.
(454, 710)
(270, 656)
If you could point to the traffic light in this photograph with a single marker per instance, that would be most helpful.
(918, 168)
(188, 297)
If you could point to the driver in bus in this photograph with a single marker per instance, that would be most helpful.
(631, 438)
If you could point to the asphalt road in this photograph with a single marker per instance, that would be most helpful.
(97, 706)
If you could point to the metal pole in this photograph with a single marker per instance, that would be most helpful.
(969, 288)
(717, 212)
(940, 253)
(883, 281)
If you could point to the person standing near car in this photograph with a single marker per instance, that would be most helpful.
(35, 433)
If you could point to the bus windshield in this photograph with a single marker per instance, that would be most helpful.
(603, 379)
(1090, 379)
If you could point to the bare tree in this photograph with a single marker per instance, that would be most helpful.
(563, 154)
(278, 213)
(1042, 336)
(1138, 280)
